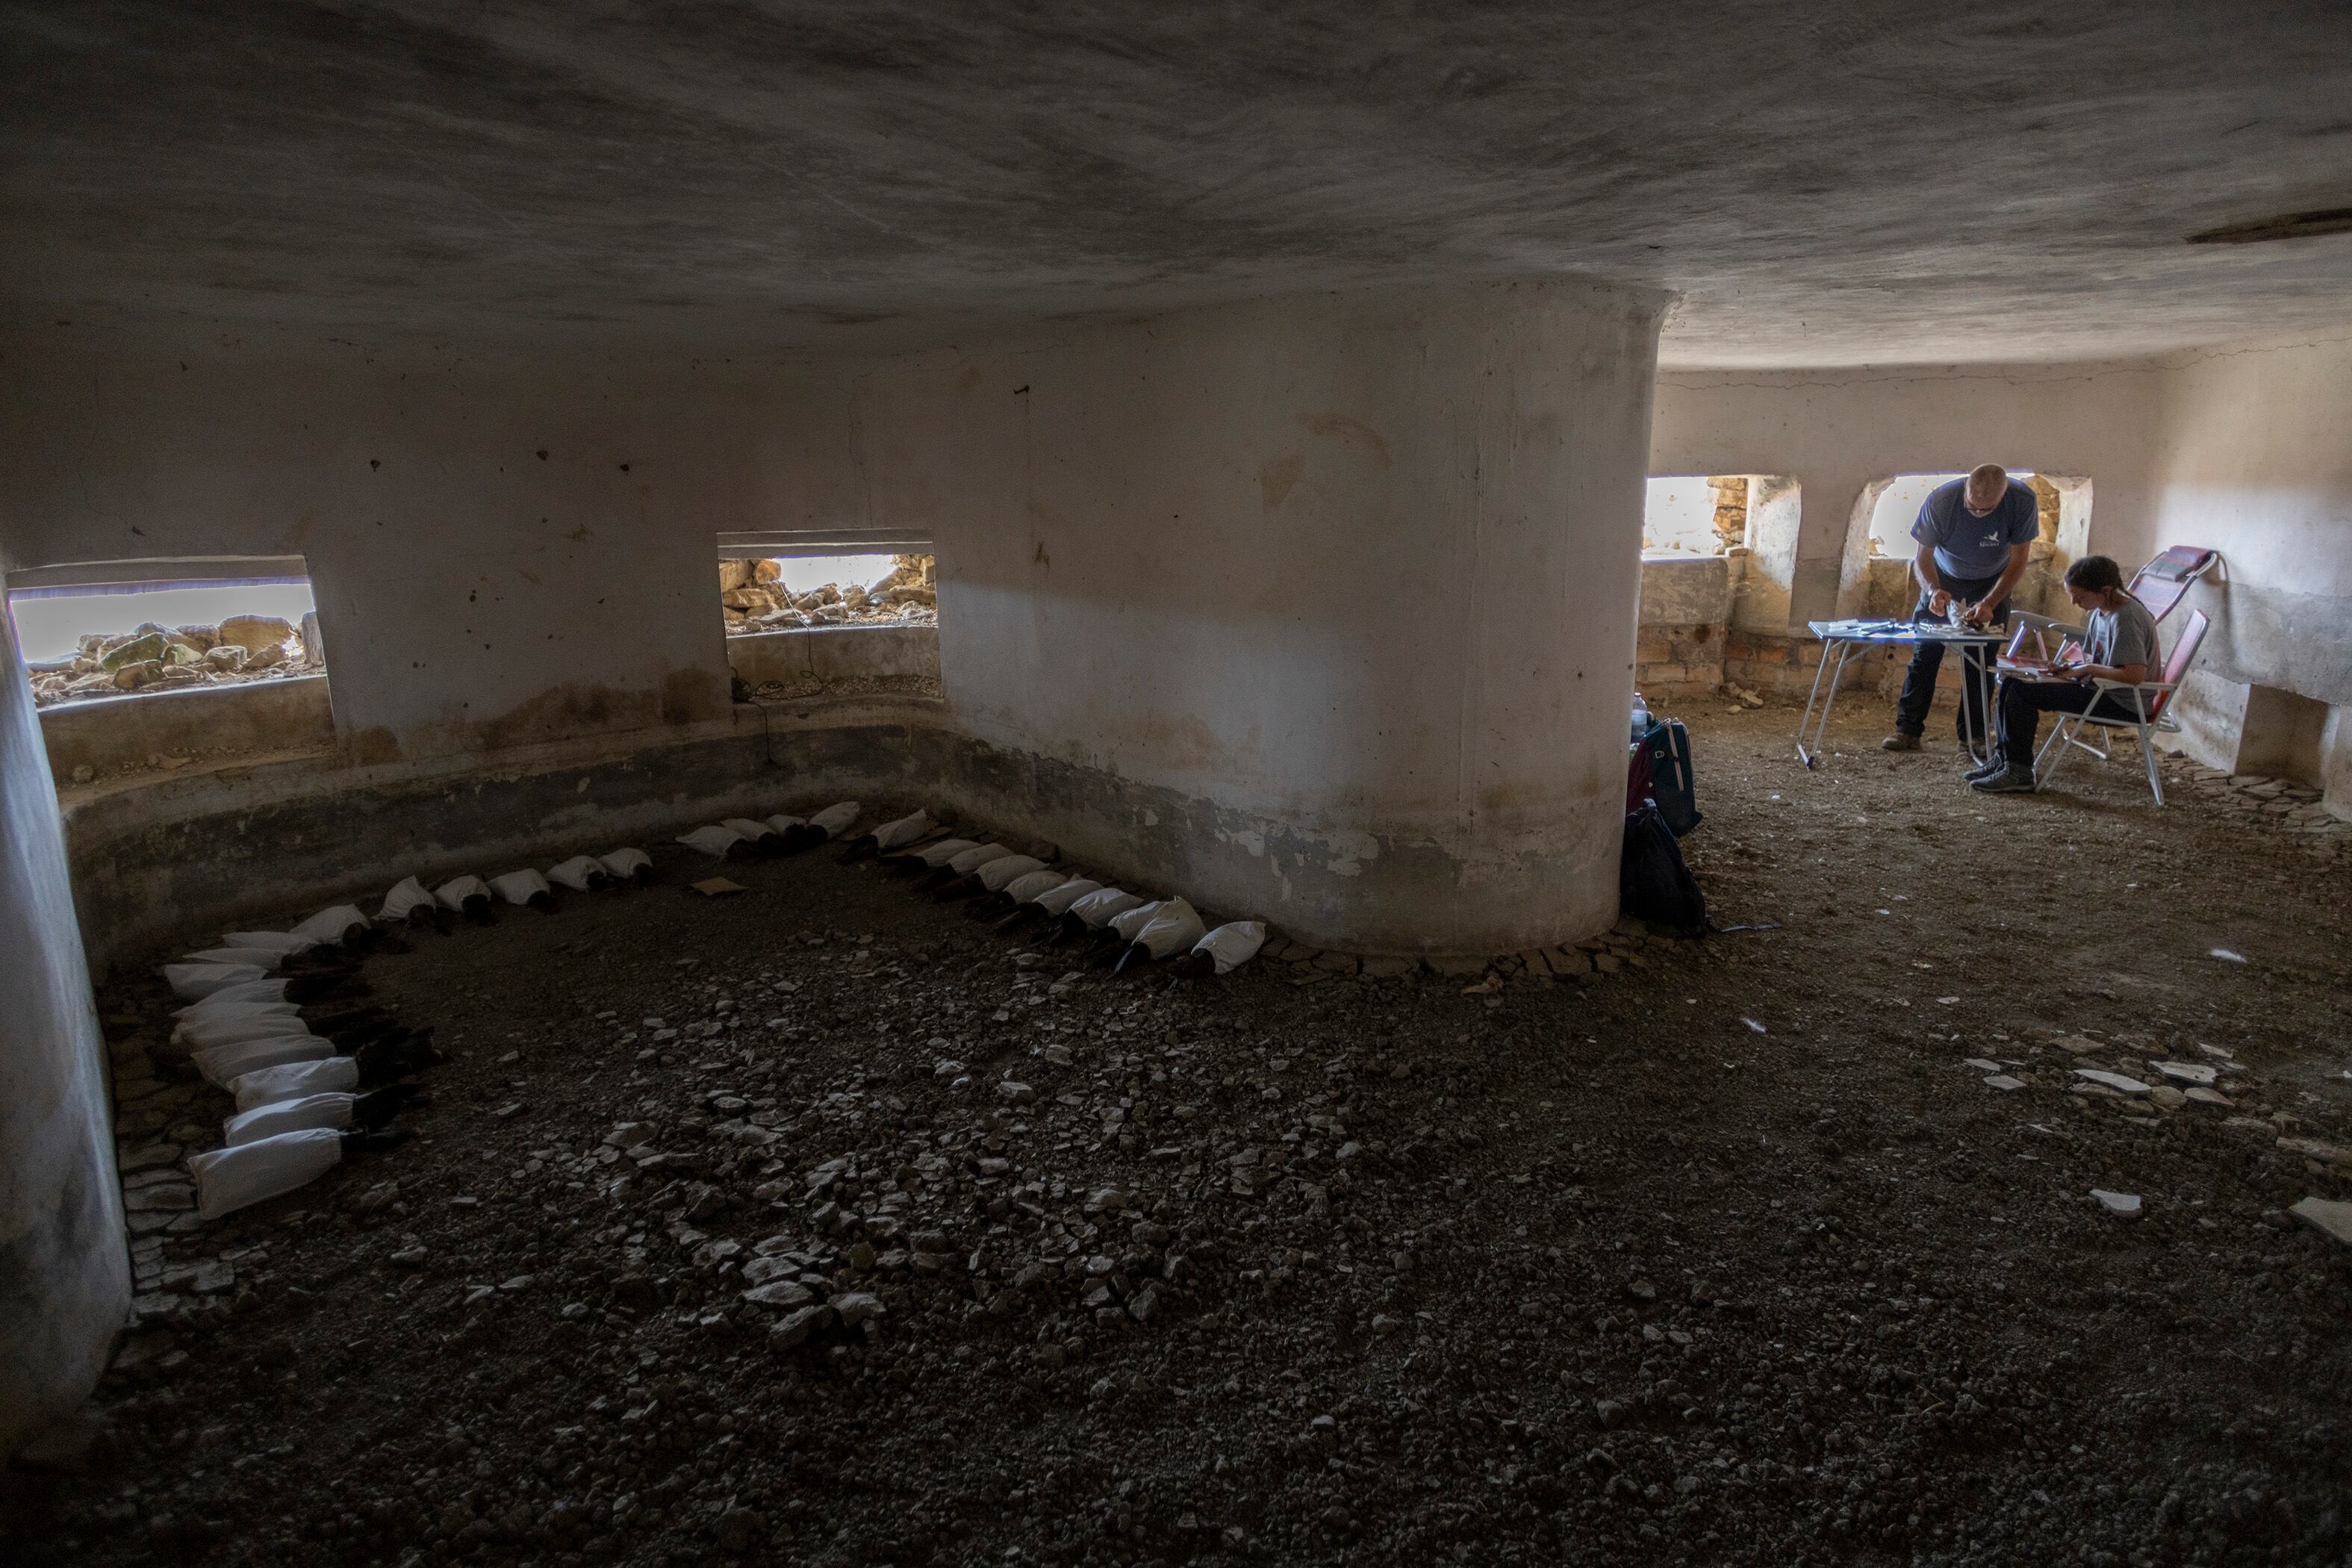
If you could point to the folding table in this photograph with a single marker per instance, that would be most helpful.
(1841, 640)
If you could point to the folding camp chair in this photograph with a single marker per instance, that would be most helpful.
(2160, 585)
(2147, 704)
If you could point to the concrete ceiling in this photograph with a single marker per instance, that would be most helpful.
(1873, 180)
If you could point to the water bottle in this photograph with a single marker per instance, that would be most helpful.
(1640, 720)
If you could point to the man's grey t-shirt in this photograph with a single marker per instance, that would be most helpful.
(1967, 545)
(2125, 635)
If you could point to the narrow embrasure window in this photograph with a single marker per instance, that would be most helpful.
(769, 594)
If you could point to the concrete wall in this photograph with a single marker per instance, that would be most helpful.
(1349, 582)
(114, 733)
(830, 656)
(2252, 460)
(64, 1273)
(1349, 579)
(1838, 434)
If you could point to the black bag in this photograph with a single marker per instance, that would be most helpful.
(1652, 883)
(1673, 785)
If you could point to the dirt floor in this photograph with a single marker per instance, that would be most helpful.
(1727, 1252)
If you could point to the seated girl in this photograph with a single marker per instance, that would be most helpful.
(2119, 645)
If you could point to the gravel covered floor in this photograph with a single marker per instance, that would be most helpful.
(1725, 1252)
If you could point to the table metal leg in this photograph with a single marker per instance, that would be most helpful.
(1843, 650)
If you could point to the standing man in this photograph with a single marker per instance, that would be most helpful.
(1974, 535)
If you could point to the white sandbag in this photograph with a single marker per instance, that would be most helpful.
(783, 823)
(285, 944)
(403, 901)
(1233, 944)
(582, 874)
(1171, 929)
(293, 1081)
(260, 989)
(229, 1179)
(331, 925)
(837, 818)
(624, 865)
(458, 891)
(752, 833)
(906, 830)
(261, 958)
(1021, 890)
(194, 982)
(203, 1034)
(1001, 873)
(1096, 908)
(1057, 901)
(222, 1065)
(974, 858)
(713, 840)
(213, 1011)
(1128, 921)
(939, 854)
(522, 886)
(332, 1109)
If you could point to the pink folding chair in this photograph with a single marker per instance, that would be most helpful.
(2148, 704)
(2160, 584)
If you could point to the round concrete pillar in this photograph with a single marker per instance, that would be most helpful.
(65, 1271)
(1323, 609)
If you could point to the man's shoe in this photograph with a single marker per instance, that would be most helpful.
(2008, 780)
(1899, 742)
(1985, 769)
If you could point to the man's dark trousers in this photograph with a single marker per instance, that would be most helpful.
(1927, 658)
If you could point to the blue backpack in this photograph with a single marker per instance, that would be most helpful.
(1673, 785)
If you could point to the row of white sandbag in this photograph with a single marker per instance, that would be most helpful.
(248, 955)
(740, 835)
(1159, 928)
(410, 899)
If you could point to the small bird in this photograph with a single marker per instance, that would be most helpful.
(926, 858)
(763, 841)
(1051, 903)
(719, 841)
(962, 866)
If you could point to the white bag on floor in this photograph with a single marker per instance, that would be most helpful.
(1233, 944)
(222, 1065)
(332, 1109)
(1097, 907)
(999, 874)
(974, 858)
(938, 855)
(755, 834)
(1021, 890)
(521, 887)
(293, 1081)
(261, 958)
(906, 830)
(203, 1034)
(1057, 901)
(404, 900)
(1129, 920)
(714, 840)
(261, 989)
(837, 818)
(781, 824)
(455, 893)
(285, 944)
(1174, 928)
(331, 926)
(624, 865)
(229, 1179)
(194, 982)
(582, 874)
